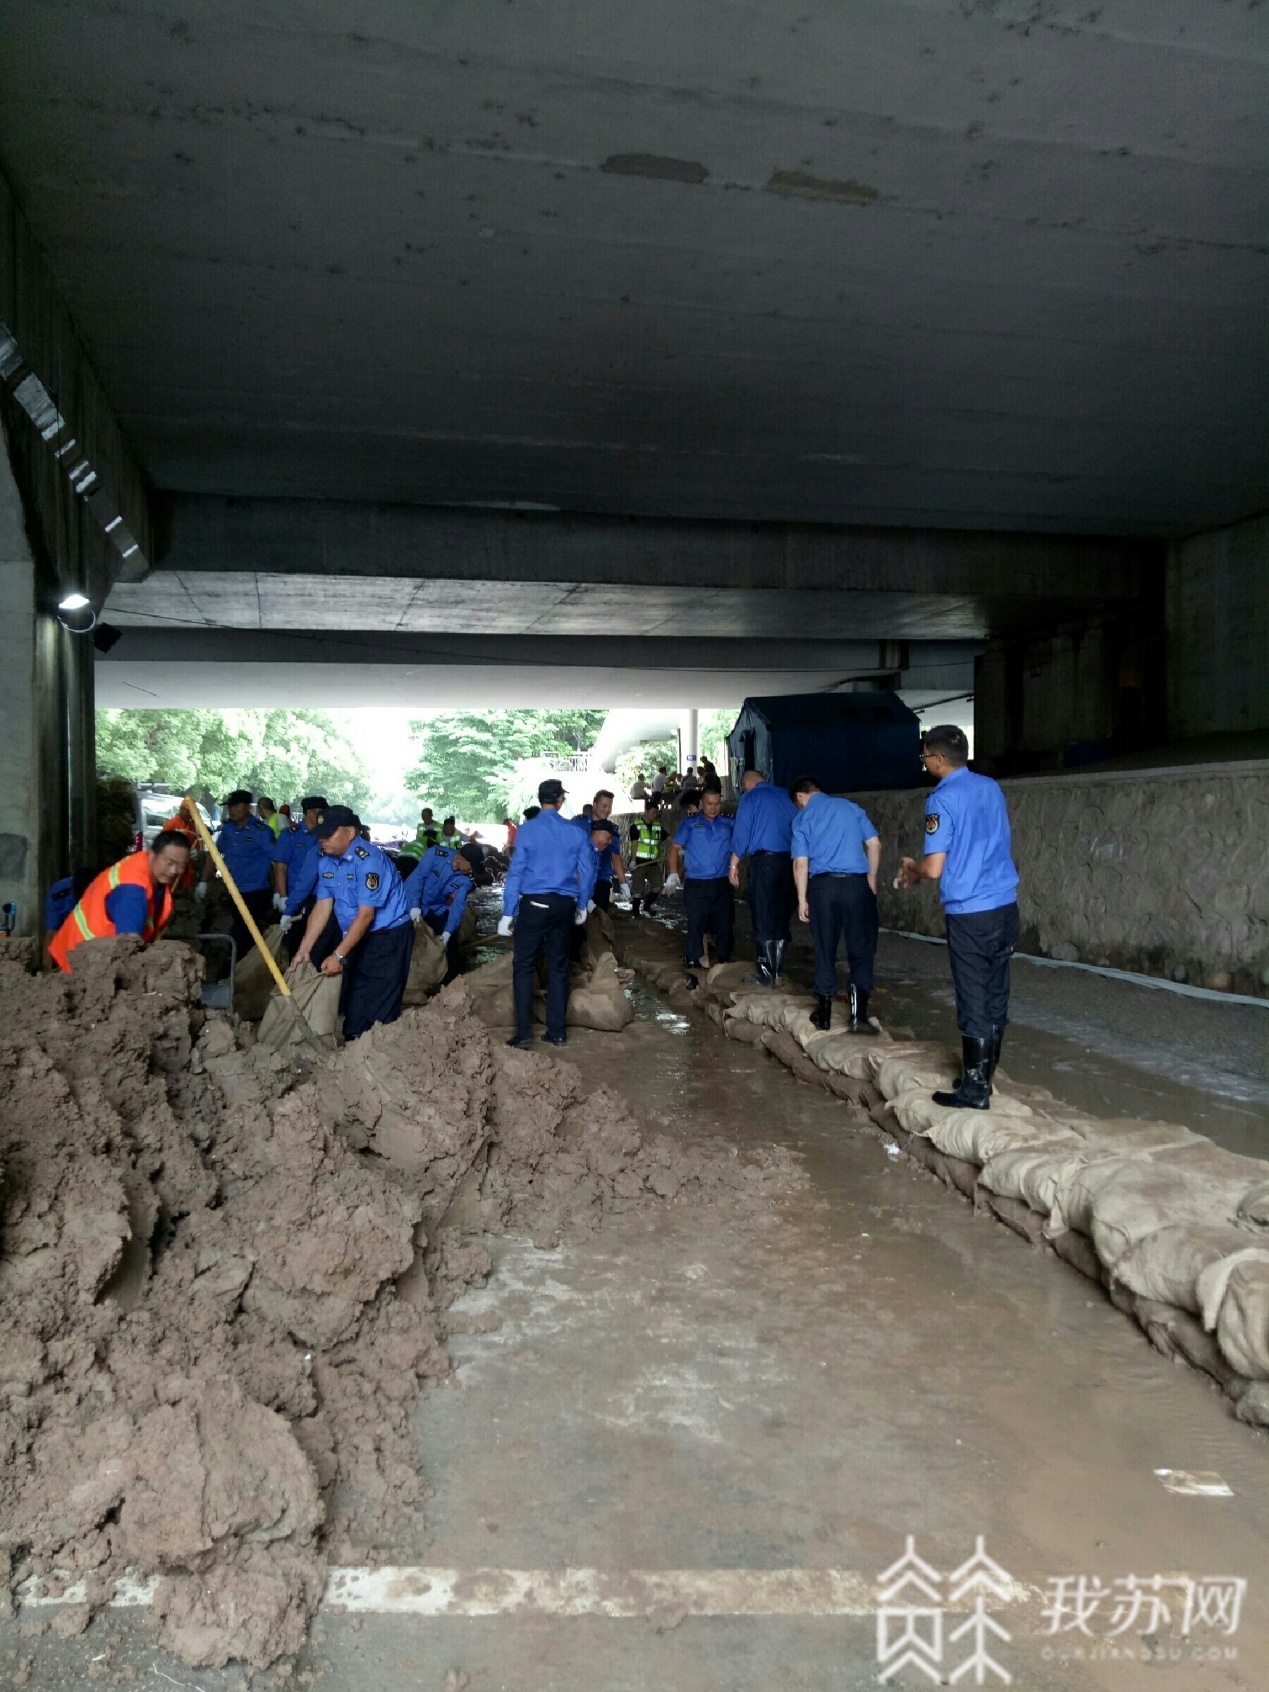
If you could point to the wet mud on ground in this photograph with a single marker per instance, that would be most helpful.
(871, 1361)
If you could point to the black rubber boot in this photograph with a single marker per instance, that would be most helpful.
(777, 961)
(822, 1015)
(521, 1042)
(763, 975)
(993, 1053)
(973, 1090)
(635, 902)
(859, 1023)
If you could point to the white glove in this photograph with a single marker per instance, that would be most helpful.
(285, 923)
(580, 918)
(200, 892)
(444, 939)
(504, 925)
(625, 890)
(416, 915)
(590, 907)
(279, 903)
(671, 882)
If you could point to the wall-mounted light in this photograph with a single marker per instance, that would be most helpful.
(73, 602)
(70, 613)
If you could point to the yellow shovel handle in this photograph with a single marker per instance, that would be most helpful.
(189, 805)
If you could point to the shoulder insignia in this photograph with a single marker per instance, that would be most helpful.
(372, 883)
(932, 823)
(363, 852)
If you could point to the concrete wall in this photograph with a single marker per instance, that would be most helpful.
(1154, 871)
(1217, 619)
(18, 872)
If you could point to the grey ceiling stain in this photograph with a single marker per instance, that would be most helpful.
(654, 166)
(804, 187)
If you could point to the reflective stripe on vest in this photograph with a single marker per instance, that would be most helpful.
(655, 836)
(89, 920)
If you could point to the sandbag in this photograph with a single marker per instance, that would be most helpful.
(1167, 1264)
(1119, 1200)
(973, 1134)
(316, 997)
(253, 981)
(1235, 1302)
(464, 935)
(841, 1052)
(428, 964)
(601, 1004)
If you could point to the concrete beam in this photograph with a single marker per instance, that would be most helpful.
(82, 482)
(334, 538)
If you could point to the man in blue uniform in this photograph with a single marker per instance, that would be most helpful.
(547, 891)
(295, 862)
(968, 851)
(703, 844)
(357, 882)
(836, 852)
(246, 844)
(437, 893)
(611, 867)
(763, 833)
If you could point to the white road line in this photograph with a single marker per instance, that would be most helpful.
(614, 1593)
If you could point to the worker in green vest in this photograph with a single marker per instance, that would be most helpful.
(426, 836)
(647, 856)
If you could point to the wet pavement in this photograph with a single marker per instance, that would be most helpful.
(720, 1401)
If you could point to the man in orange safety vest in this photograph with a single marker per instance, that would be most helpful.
(133, 896)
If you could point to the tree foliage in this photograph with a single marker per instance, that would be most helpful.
(285, 754)
(467, 759)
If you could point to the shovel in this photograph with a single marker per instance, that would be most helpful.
(278, 977)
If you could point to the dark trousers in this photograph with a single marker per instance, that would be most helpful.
(602, 895)
(326, 941)
(710, 909)
(544, 926)
(979, 947)
(843, 905)
(375, 975)
(260, 904)
(771, 896)
(436, 921)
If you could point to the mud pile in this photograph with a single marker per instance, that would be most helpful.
(222, 1291)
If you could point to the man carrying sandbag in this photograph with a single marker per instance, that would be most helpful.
(968, 851)
(437, 894)
(357, 881)
(547, 890)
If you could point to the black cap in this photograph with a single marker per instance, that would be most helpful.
(550, 791)
(314, 802)
(598, 826)
(333, 817)
(239, 796)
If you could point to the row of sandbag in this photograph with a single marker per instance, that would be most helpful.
(1175, 1227)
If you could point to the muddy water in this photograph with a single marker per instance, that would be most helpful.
(878, 1362)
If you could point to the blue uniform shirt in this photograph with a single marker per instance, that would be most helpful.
(707, 846)
(435, 860)
(552, 855)
(604, 872)
(764, 821)
(293, 846)
(364, 875)
(248, 853)
(446, 895)
(301, 880)
(966, 817)
(831, 833)
(59, 902)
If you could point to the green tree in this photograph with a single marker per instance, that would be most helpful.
(283, 753)
(466, 759)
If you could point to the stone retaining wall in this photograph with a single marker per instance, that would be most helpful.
(1159, 871)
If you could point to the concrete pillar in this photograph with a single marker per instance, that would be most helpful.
(47, 752)
(1217, 620)
(690, 739)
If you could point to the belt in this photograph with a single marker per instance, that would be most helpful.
(770, 854)
(840, 875)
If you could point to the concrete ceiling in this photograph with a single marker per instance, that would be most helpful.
(952, 263)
